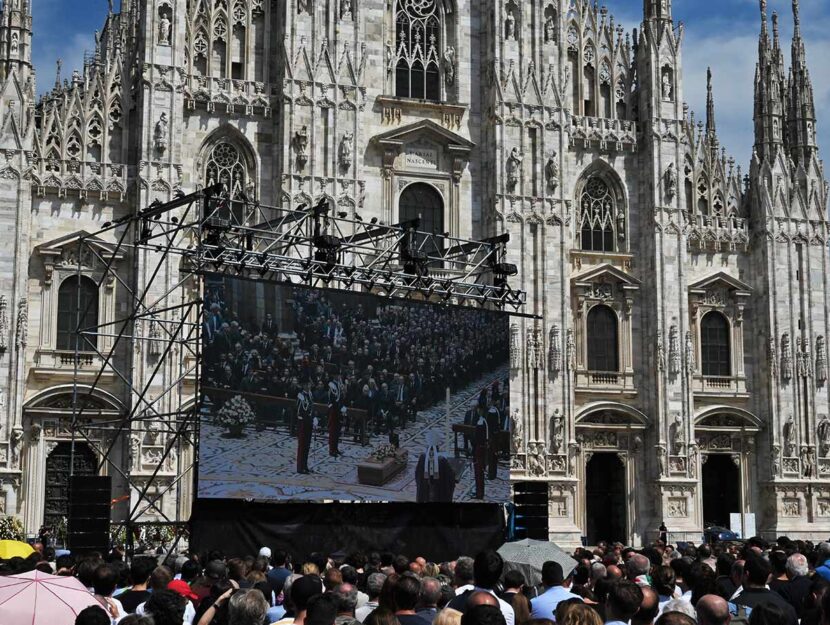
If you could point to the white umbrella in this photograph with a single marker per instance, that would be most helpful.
(527, 556)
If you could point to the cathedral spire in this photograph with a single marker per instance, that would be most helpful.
(16, 39)
(801, 110)
(657, 10)
(769, 113)
(711, 127)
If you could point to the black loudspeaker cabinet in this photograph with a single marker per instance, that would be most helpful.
(531, 500)
(89, 513)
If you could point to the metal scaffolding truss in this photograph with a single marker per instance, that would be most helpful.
(171, 246)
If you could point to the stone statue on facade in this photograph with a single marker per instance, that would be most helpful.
(516, 431)
(557, 432)
(677, 436)
(514, 166)
(823, 432)
(510, 25)
(550, 30)
(670, 180)
(821, 360)
(690, 354)
(161, 132)
(346, 10)
(786, 358)
(449, 66)
(304, 6)
(661, 460)
(667, 87)
(165, 29)
(674, 350)
(536, 463)
(789, 437)
(555, 349)
(552, 173)
(301, 147)
(346, 151)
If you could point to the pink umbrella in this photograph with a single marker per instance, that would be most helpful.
(40, 599)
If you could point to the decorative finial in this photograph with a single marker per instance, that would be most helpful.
(58, 75)
(775, 26)
(796, 14)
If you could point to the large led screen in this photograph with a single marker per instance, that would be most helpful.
(320, 395)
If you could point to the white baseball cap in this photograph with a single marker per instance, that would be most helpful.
(265, 552)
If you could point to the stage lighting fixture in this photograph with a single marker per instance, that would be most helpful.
(175, 220)
(373, 221)
(179, 194)
(240, 269)
(240, 255)
(107, 224)
(157, 216)
(505, 269)
(342, 215)
(358, 217)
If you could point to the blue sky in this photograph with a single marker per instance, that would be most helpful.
(720, 33)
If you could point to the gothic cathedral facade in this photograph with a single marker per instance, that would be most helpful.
(676, 368)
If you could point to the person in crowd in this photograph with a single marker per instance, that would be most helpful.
(757, 571)
(576, 614)
(382, 616)
(322, 610)
(279, 572)
(406, 594)
(166, 607)
(514, 583)
(374, 584)
(247, 607)
(448, 616)
(797, 587)
(483, 614)
(767, 614)
(623, 600)
(487, 569)
(557, 588)
(723, 582)
(823, 560)
(93, 615)
(638, 567)
(430, 596)
(346, 595)
(140, 570)
(434, 475)
(712, 610)
(676, 618)
(104, 582)
(649, 607)
(463, 575)
(811, 613)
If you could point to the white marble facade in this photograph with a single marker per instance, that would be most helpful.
(542, 118)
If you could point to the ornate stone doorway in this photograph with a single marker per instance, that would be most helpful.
(58, 464)
(605, 498)
(721, 489)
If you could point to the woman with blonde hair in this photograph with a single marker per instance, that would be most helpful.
(447, 616)
(581, 614)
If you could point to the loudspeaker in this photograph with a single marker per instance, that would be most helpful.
(531, 516)
(89, 513)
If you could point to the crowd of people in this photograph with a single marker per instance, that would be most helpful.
(348, 365)
(785, 583)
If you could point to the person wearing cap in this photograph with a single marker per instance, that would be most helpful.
(305, 419)
(434, 475)
(557, 589)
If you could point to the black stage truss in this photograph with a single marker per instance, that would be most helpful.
(170, 246)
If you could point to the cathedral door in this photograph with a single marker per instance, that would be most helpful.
(57, 478)
(605, 495)
(721, 489)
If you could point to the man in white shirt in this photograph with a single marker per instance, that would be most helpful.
(487, 569)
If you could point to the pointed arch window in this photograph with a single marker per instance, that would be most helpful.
(599, 216)
(603, 340)
(418, 42)
(226, 166)
(714, 346)
(77, 308)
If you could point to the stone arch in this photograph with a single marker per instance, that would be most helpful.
(741, 417)
(60, 396)
(630, 415)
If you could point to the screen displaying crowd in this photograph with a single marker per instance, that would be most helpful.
(311, 394)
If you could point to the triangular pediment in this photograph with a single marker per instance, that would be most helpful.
(720, 279)
(606, 273)
(69, 243)
(425, 129)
